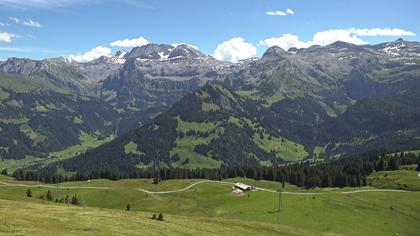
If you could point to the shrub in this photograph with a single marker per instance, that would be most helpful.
(160, 217)
(75, 200)
(128, 207)
(4, 172)
(49, 196)
(154, 217)
(29, 192)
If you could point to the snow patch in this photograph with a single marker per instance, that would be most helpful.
(163, 56)
(393, 49)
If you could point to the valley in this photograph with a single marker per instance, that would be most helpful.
(61, 108)
(138, 117)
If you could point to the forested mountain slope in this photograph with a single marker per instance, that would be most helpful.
(215, 126)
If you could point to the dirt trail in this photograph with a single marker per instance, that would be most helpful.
(5, 184)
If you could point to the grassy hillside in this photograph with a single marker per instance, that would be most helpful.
(401, 179)
(24, 218)
(330, 212)
(86, 142)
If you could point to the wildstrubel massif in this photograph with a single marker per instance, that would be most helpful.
(285, 106)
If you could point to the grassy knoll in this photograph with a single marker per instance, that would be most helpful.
(285, 149)
(185, 145)
(206, 107)
(24, 218)
(21, 83)
(189, 158)
(400, 179)
(86, 142)
(186, 126)
(368, 213)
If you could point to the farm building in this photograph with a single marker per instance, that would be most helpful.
(243, 187)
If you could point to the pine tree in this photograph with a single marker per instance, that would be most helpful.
(75, 200)
(29, 192)
(394, 163)
(128, 207)
(160, 217)
(156, 180)
(49, 196)
(4, 172)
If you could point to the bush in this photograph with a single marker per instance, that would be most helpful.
(29, 192)
(154, 217)
(4, 172)
(156, 180)
(49, 196)
(128, 207)
(160, 217)
(75, 200)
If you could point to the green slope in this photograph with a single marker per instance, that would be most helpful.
(189, 136)
(330, 212)
(24, 219)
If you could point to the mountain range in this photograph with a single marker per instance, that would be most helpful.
(175, 106)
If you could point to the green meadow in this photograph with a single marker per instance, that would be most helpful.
(209, 208)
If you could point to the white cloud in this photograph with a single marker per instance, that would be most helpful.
(234, 49)
(351, 35)
(54, 4)
(31, 36)
(92, 54)
(382, 32)
(275, 13)
(16, 20)
(7, 37)
(28, 22)
(286, 41)
(30, 49)
(31, 23)
(24, 4)
(3, 24)
(330, 36)
(290, 11)
(138, 42)
(280, 13)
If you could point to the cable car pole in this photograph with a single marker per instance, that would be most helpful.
(280, 190)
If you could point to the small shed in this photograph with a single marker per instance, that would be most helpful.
(243, 187)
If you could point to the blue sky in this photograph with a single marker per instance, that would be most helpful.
(227, 29)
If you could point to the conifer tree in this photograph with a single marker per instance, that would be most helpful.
(75, 200)
(29, 192)
(160, 217)
(49, 196)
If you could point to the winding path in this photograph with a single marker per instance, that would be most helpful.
(51, 186)
(5, 184)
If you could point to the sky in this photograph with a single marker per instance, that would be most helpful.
(229, 30)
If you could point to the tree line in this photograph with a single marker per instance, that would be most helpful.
(74, 200)
(349, 171)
